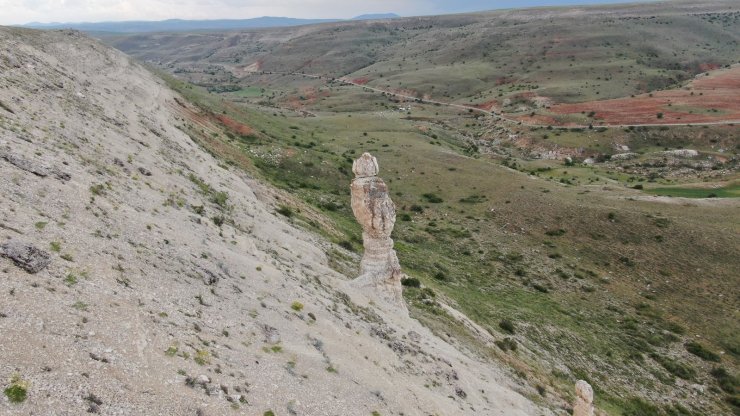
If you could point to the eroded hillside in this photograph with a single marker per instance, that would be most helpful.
(171, 285)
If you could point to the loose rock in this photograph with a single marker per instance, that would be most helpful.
(25, 255)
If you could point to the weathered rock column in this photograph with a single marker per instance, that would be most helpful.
(376, 213)
(584, 399)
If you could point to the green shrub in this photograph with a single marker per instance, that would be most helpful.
(285, 211)
(555, 233)
(506, 344)
(17, 392)
(639, 407)
(674, 367)
(701, 352)
(432, 198)
(202, 357)
(220, 198)
(726, 381)
(411, 282)
(506, 325)
(296, 306)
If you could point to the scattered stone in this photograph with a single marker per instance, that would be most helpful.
(34, 167)
(213, 390)
(202, 380)
(460, 393)
(272, 336)
(25, 255)
(681, 153)
(624, 156)
(27, 165)
(376, 213)
(96, 357)
(584, 399)
(144, 171)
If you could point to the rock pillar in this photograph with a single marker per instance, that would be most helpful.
(376, 213)
(584, 399)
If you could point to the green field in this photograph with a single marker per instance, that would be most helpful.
(729, 191)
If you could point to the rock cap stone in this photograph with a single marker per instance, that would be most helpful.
(365, 166)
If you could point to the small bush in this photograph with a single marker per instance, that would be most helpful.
(432, 198)
(506, 325)
(347, 245)
(540, 288)
(70, 280)
(411, 282)
(285, 211)
(202, 357)
(296, 306)
(674, 367)
(506, 344)
(17, 392)
(639, 407)
(555, 233)
(98, 189)
(726, 381)
(219, 220)
(220, 198)
(701, 352)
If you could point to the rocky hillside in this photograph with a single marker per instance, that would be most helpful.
(140, 275)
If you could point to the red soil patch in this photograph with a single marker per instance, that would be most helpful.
(361, 81)
(488, 105)
(307, 96)
(719, 91)
(708, 67)
(235, 126)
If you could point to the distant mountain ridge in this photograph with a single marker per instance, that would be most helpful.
(175, 25)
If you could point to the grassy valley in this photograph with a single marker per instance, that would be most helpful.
(601, 252)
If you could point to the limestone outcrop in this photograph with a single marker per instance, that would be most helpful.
(376, 213)
(584, 399)
(25, 255)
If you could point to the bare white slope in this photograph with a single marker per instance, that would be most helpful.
(156, 285)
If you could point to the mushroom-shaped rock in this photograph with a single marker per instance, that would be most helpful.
(584, 399)
(376, 213)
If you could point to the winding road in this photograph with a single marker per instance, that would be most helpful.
(498, 116)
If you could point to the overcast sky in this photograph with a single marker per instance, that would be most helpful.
(66, 11)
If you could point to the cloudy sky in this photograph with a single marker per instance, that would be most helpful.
(25, 11)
